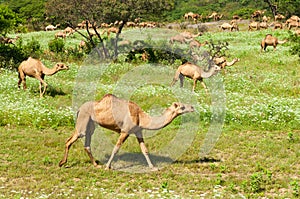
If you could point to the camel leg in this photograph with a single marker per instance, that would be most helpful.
(144, 149)
(181, 78)
(22, 79)
(194, 85)
(121, 140)
(204, 86)
(42, 83)
(87, 146)
(69, 143)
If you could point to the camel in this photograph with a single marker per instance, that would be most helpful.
(7, 40)
(68, 31)
(293, 24)
(215, 16)
(178, 38)
(253, 26)
(295, 18)
(257, 14)
(278, 25)
(197, 44)
(194, 72)
(222, 62)
(122, 116)
(111, 29)
(266, 19)
(230, 27)
(279, 17)
(269, 40)
(36, 69)
(263, 25)
(60, 34)
(188, 15)
(189, 35)
(51, 27)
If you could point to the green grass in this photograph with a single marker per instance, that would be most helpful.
(257, 154)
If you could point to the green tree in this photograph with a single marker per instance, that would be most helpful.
(30, 11)
(8, 19)
(108, 11)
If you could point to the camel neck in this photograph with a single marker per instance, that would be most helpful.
(49, 71)
(207, 74)
(158, 122)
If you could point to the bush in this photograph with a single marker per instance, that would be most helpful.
(295, 44)
(56, 45)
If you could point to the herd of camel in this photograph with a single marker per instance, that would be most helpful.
(123, 116)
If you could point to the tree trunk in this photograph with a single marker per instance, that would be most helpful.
(272, 7)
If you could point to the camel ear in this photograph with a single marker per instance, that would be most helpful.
(176, 105)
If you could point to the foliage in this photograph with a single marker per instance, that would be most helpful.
(295, 43)
(56, 45)
(31, 12)
(8, 20)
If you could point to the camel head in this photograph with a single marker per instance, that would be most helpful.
(178, 108)
(61, 66)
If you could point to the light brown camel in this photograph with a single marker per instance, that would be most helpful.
(279, 17)
(51, 27)
(60, 34)
(68, 31)
(36, 69)
(178, 38)
(197, 44)
(231, 27)
(293, 24)
(194, 72)
(189, 35)
(253, 25)
(122, 116)
(269, 40)
(263, 25)
(222, 62)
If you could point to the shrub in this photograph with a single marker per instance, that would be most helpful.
(56, 45)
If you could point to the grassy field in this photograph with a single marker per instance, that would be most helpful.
(255, 156)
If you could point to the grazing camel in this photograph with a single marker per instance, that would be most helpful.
(51, 27)
(222, 62)
(279, 17)
(36, 69)
(230, 27)
(68, 31)
(269, 40)
(122, 116)
(197, 44)
(178, 38)
(194, 72)
(293, 24)
(189, 35)
(253, 26)
(60, 34)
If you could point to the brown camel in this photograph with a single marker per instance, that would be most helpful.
(36, 69)
(51, 27)
(123, 117)
(178, 38)
(189, 35)
(194, 72)
(230, 27)
(253, 25)
(222, 62)
(269, 40)
(60, 34)
(197, 44)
